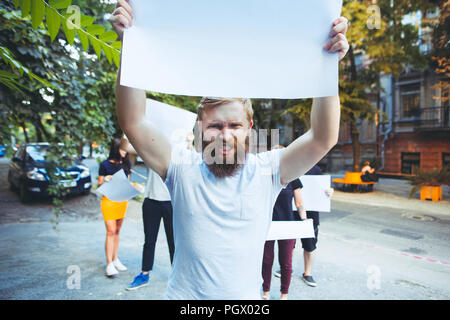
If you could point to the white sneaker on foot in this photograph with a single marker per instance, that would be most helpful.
(119, 266)
(111, 270)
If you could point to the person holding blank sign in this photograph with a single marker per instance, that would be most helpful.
(223, 196)
(282, 211)
(113, 212)
(309, 244)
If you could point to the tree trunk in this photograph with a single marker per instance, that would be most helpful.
(24, 128)
(354, 134)
(38, 131)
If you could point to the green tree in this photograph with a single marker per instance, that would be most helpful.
(389, 44)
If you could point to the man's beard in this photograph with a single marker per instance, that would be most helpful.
(223, 166)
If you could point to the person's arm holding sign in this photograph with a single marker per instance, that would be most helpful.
(299, 204)
(151, 145)
(308, 149)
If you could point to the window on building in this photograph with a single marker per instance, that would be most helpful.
(410, 100)
(446, 160)
(410, 162)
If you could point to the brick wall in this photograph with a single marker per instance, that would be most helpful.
(430, 146)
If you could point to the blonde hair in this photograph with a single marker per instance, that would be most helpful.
(209, 102)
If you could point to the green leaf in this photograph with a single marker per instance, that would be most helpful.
(117, 45)
(53, 23)
(95, 29)
(86, 21)
(96, 44)
(116, 57)
(83, 39)
(8, 75)
(60, 4)
(108, 36)
(70, 33)
(37, 12)
(16, 3)
(108, 52)
(25, 7)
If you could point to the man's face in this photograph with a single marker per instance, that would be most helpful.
(225, 131)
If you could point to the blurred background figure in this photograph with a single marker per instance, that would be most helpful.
(368, 173)
(113, 212)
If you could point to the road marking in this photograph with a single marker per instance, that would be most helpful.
(392, 251)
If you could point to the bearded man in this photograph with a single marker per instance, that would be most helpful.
(223, 196)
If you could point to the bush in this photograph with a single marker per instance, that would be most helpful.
(432, 178)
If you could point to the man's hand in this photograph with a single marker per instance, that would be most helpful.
(338, 41)
(122, 17)
(329, 192)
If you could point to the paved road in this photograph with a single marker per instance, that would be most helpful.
(366, 251)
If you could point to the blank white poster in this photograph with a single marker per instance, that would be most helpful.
(282, 230)
(233, 48)
(119, 188)
(175, 123)
(313, 193)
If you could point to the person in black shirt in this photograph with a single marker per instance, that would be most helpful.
(309, 244)
(113, 212)
(282, 211)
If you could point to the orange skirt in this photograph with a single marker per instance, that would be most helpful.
(113, 210)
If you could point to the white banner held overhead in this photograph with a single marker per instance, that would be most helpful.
(234, 48)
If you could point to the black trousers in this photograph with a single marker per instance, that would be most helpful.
(152, 212)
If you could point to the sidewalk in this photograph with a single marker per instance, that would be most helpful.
(394, 193)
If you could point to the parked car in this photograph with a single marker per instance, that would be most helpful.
(2, 151)
(28, 175)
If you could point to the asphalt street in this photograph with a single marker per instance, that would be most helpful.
(369, 249)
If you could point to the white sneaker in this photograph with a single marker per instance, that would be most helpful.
(111, 270)
(119, 266)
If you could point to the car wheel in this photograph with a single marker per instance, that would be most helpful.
(12, 187)
(23, 194)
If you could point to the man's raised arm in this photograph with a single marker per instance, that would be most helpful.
(302, 154)
(151, 145)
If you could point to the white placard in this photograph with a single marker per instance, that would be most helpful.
(119, 188)
(281, 230)
(313, 193)
(175, 123)
(233, 48)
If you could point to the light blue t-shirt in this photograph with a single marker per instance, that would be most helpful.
(220, 225)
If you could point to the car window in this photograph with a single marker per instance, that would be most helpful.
(37, 153)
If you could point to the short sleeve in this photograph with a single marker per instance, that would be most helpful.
(102, 170)
(270, 165)
(296, 184)
(180, 156)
